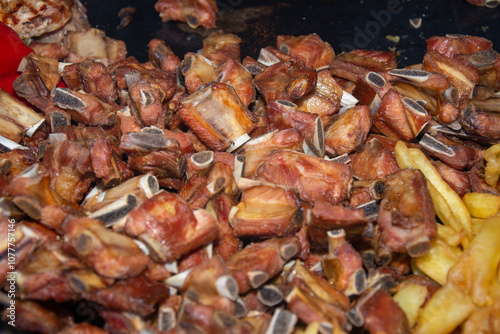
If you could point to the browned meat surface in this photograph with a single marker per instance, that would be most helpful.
(194, 12)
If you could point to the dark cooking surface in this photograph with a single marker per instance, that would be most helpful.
(341, 23)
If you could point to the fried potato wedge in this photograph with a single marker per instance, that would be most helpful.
(478, 265)
(439, 260)
(449, 307)
(410, 299)
(492, 168)
(482, 205)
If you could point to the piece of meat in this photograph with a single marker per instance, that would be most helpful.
(374, 161)
(325, 217)
(309, 48)
(198, 71)
(217, 116)
(226, 243)
(169, 227)
(110, 254)
(31, 18)
(258, 262)
(315, 179)
(70, 168)
(256, 151)
(194, 12)
(407, 220)
(161, 56)
(240, 79)
(349, 131)
(219, 47)
(451, 45)
(285, 81)
(266, 211)
(97, 81)
(45, 275)
(377, 312)
(138, 295)
(400, 117)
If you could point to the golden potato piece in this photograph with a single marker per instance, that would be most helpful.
(478, 265)
(439, 260)
(492, 168)
(410, 299)
(482, 205)
(449, 307)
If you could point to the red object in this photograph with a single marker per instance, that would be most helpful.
(13, 50)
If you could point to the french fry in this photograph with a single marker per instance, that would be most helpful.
(484, 320)
(439, 260)
(449, 235)
(492, 168)
(445, 213)
(478, 265)
(410, 299)
(482, 205)
(450, 208)
(449, 307)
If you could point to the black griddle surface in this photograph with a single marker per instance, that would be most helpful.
(344, 24)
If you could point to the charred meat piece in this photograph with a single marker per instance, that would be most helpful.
(168, 226)
(343, 266)
(451, 45)
(476, 121)
(315, 179)
(266, 211)
(70, 168)
(35, 18)
(258, 262)
(46, 274)
(257, 149)
(194, 12)
(218, 117)
(400, 117)
(226, 243)
(325, 217)
(374, 161)
(110, 254)
(461, 76)
(219, 47)
(349, 131)
(94, 44)
(198, 71)
(377, 312)
(97, 81)
(240, 79)
(84, 108)
(285, 81)
(457, 180)
(161, 56)
(452, 152)
(138, 295)
(210, 283)
(325, 100)
(283, 114)
(311, 49)
(407, 219)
